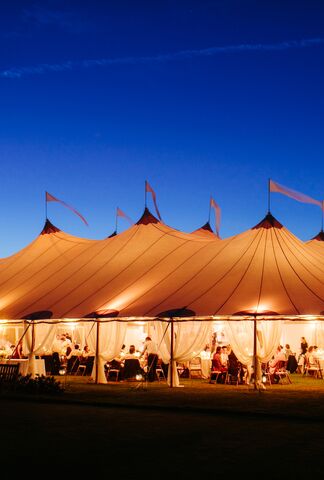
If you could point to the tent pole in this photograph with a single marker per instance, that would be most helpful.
(269, 195)
(171, 355)
(255, 352)
(97, 350)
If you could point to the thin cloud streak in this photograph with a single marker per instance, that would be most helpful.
(18, 72)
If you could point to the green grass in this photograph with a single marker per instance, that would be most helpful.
(197, 430)
(281, 399)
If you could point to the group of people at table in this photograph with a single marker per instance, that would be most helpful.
(136, 363)
(69, 355)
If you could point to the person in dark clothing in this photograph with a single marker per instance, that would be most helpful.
(235, 367)
(151, 349)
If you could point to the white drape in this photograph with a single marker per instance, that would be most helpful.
(38, 338)
(111, 338)
(241, 338)
(319, 335)
(189, 340)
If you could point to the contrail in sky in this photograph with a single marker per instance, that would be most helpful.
(18, 72)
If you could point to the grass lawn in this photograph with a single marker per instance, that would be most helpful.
(200, 429)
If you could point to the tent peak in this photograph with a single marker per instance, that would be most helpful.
(319, 236)
(147, 218)
(269, 221)
(112, 234)
(49, 228)
(207, 227)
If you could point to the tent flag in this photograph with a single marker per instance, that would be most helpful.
(120, 213)
(149, 189)
(300, 197)
(217, 210)
(51, 198)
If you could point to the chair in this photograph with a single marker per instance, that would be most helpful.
(266, 373)
(195, 368)
(132, 368)
(282, 372)
(314, 369)
(72, 365)
(113, 370)
(83, 366)
(160, 375)
(81, 370)
(233, 377)
(216, 374)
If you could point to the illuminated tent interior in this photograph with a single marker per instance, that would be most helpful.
(150, 269)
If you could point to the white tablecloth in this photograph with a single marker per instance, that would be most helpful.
(205, 367)
(23, 365)
(40, 367)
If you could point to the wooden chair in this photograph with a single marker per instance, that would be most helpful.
(266, 373)
(282, 372)
(215, 374)
(195, 368)
(160, 373)
(314, 369)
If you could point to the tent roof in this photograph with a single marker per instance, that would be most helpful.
(152, 268)
(206, 231)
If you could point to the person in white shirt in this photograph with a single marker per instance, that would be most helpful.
(151, 349)
(274, 363)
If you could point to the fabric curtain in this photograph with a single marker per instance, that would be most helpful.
(241, 338)
(189, 340)
(319, 335)
(111, 338)
(38, 339)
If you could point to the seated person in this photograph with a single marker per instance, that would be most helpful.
(218, 366)
(224, 355)
(292, 364)
(85, 354)
(118, 363)
(278, 358)
(235, 368)
(132, 365)
(288, 351)
(73, 358)
(120, 357)
(131, 353)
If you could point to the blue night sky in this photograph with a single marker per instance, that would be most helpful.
(198, 97)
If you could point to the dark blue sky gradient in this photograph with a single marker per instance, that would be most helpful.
(218, 124)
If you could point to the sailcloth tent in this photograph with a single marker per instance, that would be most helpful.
(151, 268)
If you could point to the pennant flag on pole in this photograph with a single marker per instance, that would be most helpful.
(120, 213)
(149, 189)
(300, 197)
(217, 210)
(51, 198)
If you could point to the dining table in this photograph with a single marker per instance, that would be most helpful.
(23, 365)
(205, 362)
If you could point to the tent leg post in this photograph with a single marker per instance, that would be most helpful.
(255, 352)
(97, 351)
(171, 355)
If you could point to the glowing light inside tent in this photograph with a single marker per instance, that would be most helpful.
(123, 300)
(261, 308)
